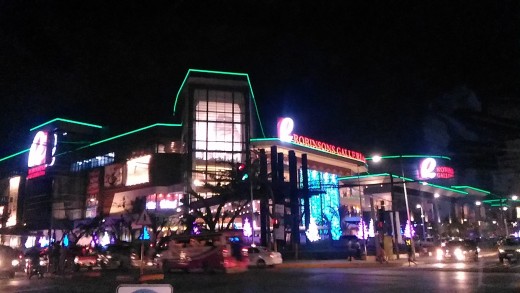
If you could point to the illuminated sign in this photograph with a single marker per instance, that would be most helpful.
(428, 169)
(163, 202)
(137, 170)
(285, 127)
(38, 153)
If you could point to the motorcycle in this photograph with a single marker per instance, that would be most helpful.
(35, 269)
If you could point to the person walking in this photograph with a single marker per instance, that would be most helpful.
(411, 257)
(55, 257)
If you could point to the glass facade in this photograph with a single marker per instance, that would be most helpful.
(219, 132)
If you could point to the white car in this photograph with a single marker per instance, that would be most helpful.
(261, 257)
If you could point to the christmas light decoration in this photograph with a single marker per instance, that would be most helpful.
(248, 230)
(312, 233)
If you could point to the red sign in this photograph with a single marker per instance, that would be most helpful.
(36, 171)
(329, 148)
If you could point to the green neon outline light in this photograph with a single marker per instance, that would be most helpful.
(223, 73)
(14, 155)
(470, 187)
(363, 176)
(68, 121)
(402, 178)
(411, 156)
(444, 187)
(128, 133)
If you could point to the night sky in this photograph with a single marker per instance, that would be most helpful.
(359, 76)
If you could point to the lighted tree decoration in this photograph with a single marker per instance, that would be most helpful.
(362, 227)
(371, 232)
(248, 230)
(409, 232)
(312, 232)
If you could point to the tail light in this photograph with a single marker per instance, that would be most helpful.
(225, 253)
(244, 252)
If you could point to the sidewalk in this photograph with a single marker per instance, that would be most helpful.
(344, 263)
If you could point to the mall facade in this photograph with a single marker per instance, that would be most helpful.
(73, 173)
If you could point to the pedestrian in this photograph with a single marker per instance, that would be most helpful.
(55, 257)
(349, 250)
(411, 257)
(62, 259)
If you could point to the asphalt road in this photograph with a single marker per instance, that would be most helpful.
(485, 276)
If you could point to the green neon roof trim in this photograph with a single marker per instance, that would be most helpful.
(446, 188)
(223, 73)
(412, 156)
(263, 139)
(14, 155)
(363, 176)
(470, 187)
(68, 121)
(130, 132)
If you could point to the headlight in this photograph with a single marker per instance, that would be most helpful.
(15, 262)
(76, 259)
(501, 250)
(518, 250)
(440, 254)
(458, 254)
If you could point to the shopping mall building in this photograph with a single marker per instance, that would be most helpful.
(74, 172)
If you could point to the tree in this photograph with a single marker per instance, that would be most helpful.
(227, 189)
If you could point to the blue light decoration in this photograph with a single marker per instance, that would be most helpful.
(324, 206)
(66, 241)
(145, 235)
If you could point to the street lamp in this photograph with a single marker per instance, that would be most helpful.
(361, 213)
(422, 217)
(377, 159)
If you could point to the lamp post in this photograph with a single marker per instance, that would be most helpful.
(361, 213)
(422, 217)
(376, 159)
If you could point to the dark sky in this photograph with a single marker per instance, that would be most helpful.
(359, 76)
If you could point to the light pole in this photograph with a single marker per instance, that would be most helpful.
(422, 217)
(376, 159)
(361, 213)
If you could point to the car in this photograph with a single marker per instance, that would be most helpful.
(261, 257)
(9, 261)
(117, 256)
(458, 250)
(509, 249)
(87, 259)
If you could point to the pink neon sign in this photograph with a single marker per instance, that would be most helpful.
(285, 128)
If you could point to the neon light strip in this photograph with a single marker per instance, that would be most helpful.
(223, 73)
(470, 187)
(65, 120)
(363, 176)
(411, 156)
(402, 178)
(14, 155)
(443, 187)
(128, 133)
(304, 146)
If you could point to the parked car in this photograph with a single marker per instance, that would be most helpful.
(458, 250)
(509, 249)
(9, 261)
(261, 257)
(117, 256)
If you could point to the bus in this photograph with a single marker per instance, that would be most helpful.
(222, 251)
